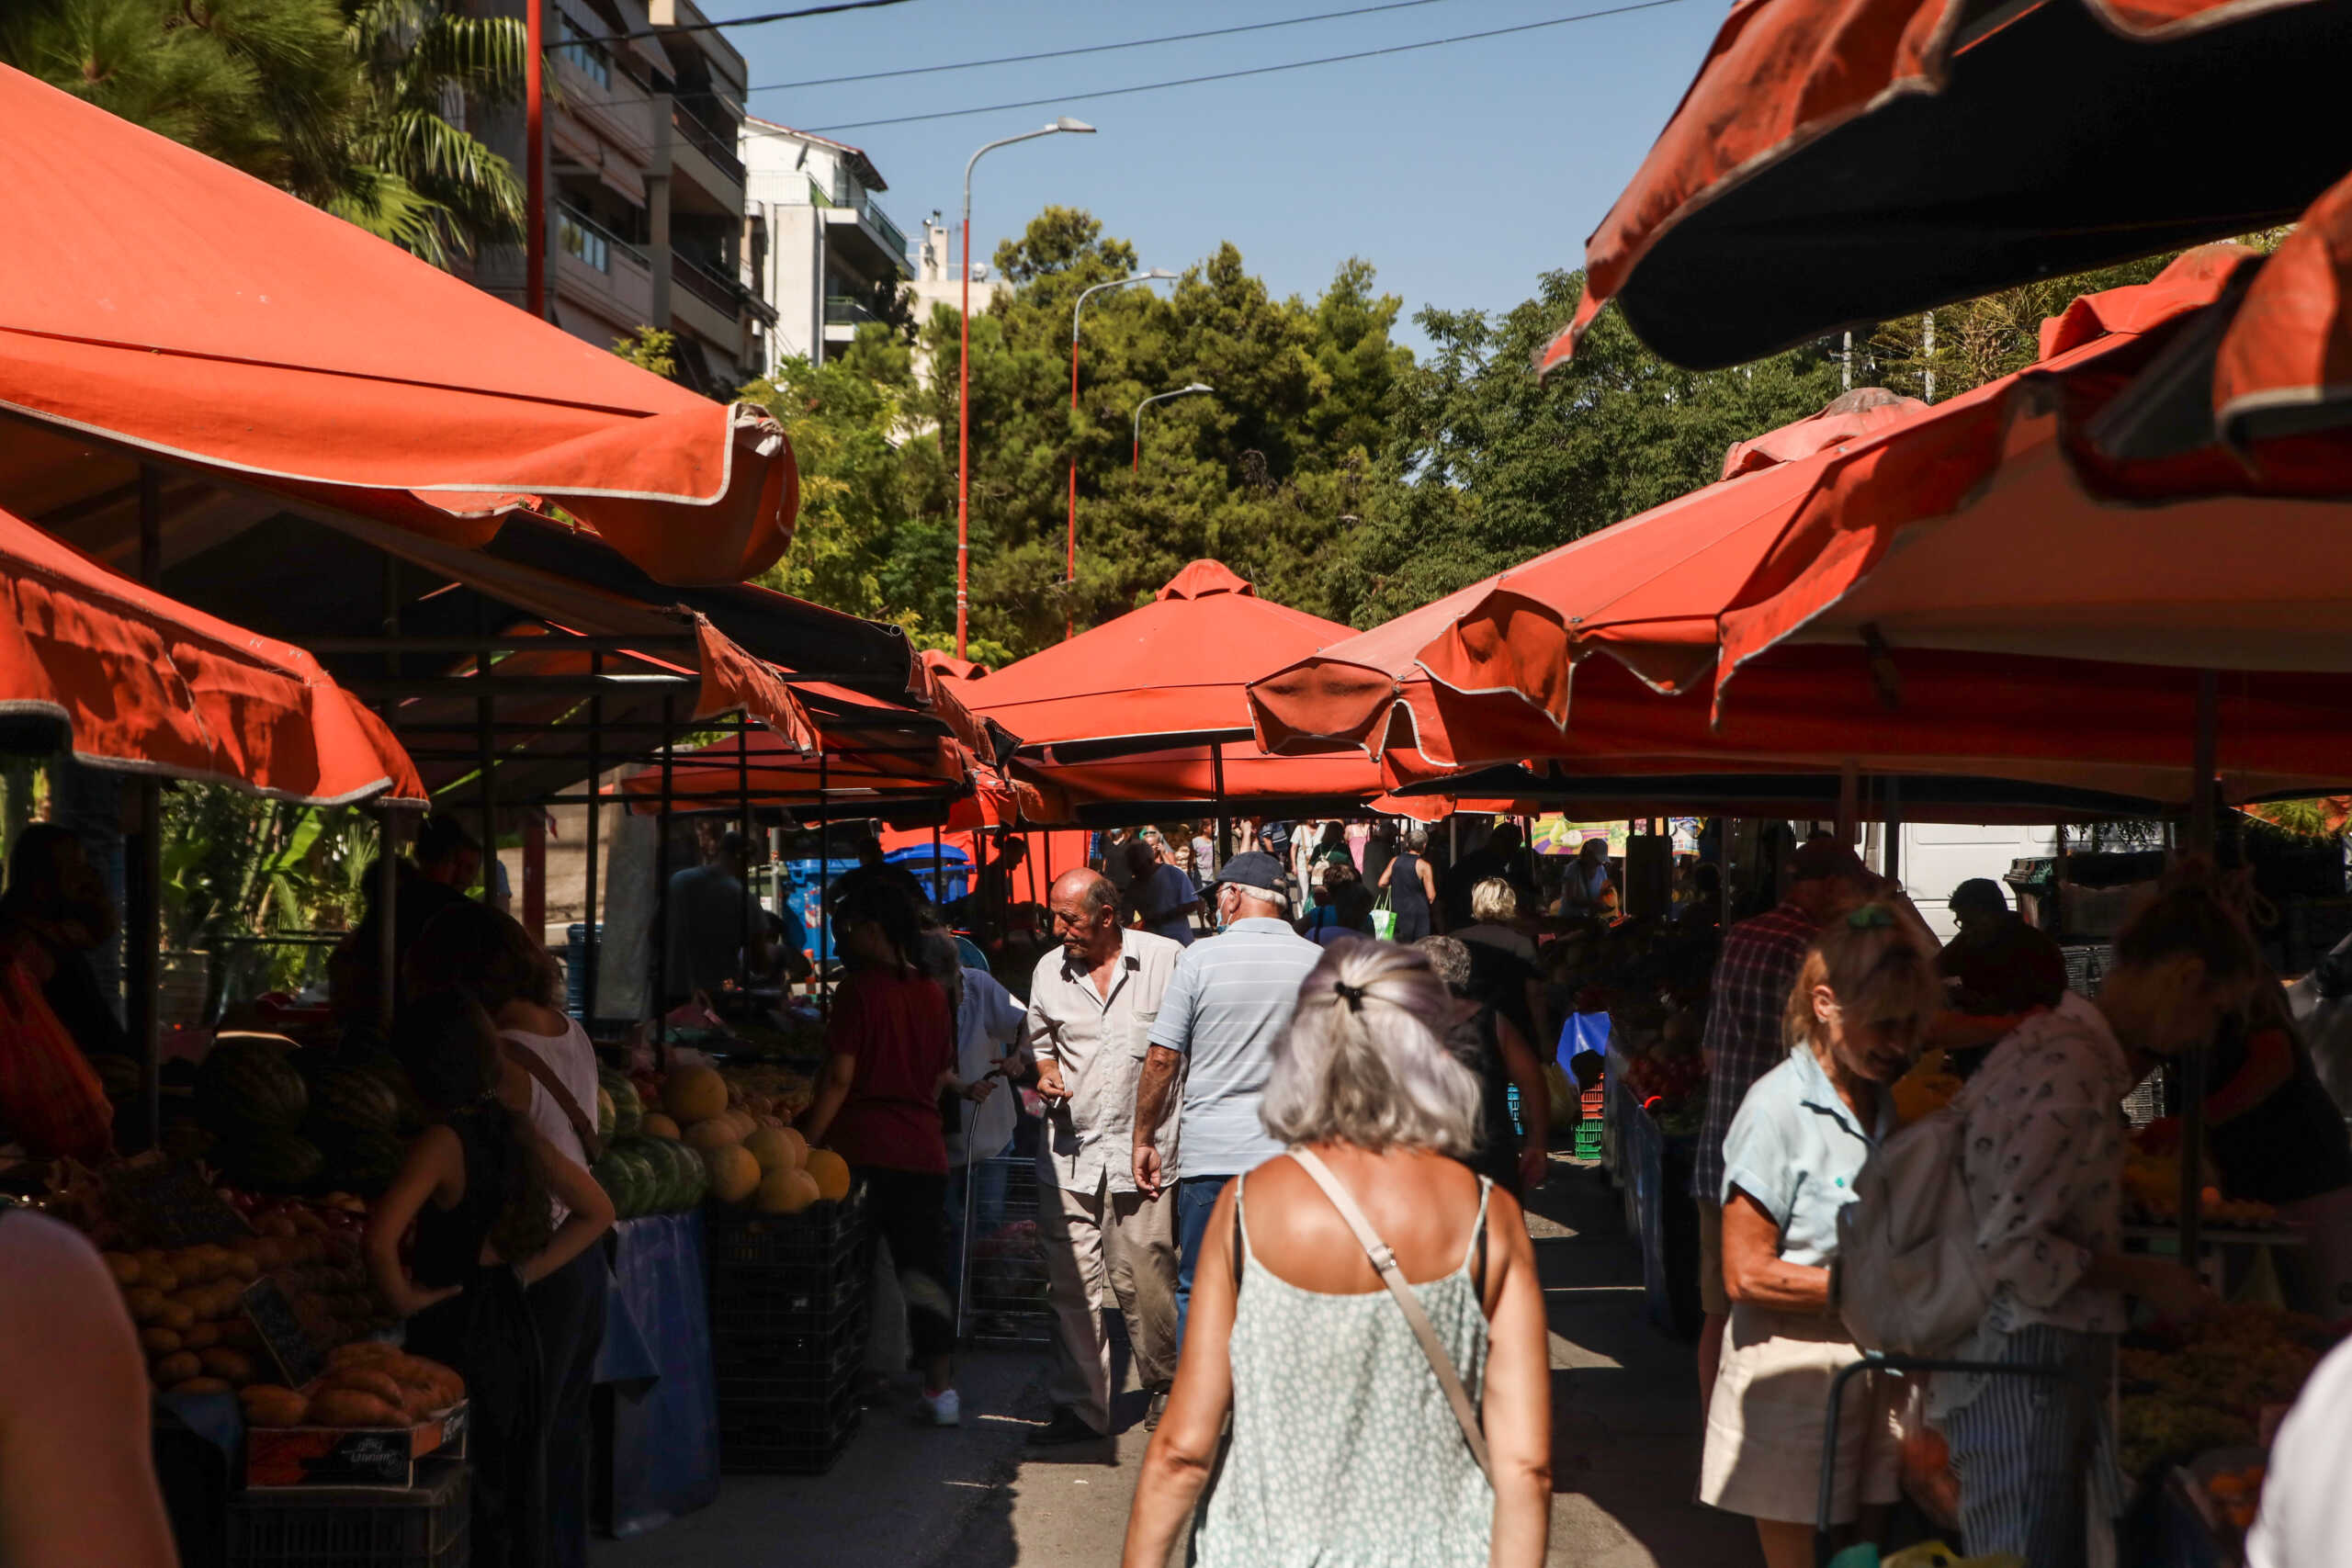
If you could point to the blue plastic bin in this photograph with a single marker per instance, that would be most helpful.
(811, 880)
(946, 882)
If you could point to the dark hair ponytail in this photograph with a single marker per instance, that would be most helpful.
(450, 1047)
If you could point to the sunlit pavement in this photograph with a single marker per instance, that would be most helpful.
(1625, 1451)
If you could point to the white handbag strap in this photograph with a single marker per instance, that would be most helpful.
(1393, 1277)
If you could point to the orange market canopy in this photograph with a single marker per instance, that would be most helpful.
(158, 303)
(1509, 669)
(1838, 163)
(129, 680)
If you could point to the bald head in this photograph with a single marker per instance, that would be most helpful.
(1085, 915)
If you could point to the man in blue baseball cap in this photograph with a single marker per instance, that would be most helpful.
(1228, 1001)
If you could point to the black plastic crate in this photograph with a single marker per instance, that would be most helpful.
(356, 1527)
(816, 1354)
(777, 1435)
(820, 1235)
(775, 1299)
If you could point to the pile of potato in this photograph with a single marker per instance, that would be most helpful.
(188, 1304)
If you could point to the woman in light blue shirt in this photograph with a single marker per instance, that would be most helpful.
(1854, 1021)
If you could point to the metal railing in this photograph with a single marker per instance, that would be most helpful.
(708, 141)
(578, 234)
(842, 311)
(706, 285)
(894, 240)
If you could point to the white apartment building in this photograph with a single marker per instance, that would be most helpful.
(828, 250)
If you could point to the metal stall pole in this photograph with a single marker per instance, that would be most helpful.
(661, 934)
(743, 827)
(387, 871)
(2192, 1062)
(1216, 789)
(485, 722)
(143, 931)
(938, 877)
(596, 841)
(824, 891)
(1890, 825)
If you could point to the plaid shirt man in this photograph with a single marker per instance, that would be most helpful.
(1759, 964)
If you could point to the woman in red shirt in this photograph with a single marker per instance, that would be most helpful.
(891, 1054)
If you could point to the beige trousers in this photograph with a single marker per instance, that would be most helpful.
(1102, 1246)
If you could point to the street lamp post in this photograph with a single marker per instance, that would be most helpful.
(1135, 458)
(964, 383)
(1069, 618)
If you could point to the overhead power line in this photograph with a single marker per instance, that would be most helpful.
(1254, 71)
(837, 5)
(1092, 48)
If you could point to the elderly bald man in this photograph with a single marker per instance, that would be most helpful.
(1091, 1005)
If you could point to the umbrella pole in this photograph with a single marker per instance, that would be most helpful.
(484, 723)
(938, 876)
(743, 827)
(824, 890)
(388, 880)
(143, 931)
(595, 841)
(661, 937)
(1216, 789)
(2192, 1062)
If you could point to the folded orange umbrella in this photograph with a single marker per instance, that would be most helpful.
(145, 684)
(152, 298)
(1840, 163)
(2284, 373)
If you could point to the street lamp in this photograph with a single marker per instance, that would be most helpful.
(1136, 463)
(1157, 273)
(963, 381)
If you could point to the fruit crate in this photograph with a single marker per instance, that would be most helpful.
(321, 1526)
(784, 1434)
(1588, 1140)
(1004, 1291)
(816, 1357)
(820, 1236)
(772, 1302)
(1594, 1103)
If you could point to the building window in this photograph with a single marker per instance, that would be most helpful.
(587, 56)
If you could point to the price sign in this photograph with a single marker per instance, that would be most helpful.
(289, 1345)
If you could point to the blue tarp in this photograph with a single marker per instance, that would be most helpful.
(657, 1452)
(1583, 1032)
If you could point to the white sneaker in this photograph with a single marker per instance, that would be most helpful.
(941, 1409)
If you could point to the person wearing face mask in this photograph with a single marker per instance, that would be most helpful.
(2042, 1163)
(1852, 1023)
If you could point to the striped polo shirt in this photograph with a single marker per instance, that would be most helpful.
(1228, 1001)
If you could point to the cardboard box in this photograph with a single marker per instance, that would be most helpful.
(351, 1456)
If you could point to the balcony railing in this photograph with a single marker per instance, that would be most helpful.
(842, 311)
(712, 145)
(578, 234)
(706, 285)
(586, 55)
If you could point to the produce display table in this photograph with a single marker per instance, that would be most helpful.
(1657, 1172)
(657, 1404)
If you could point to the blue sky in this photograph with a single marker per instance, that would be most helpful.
(1460, 173)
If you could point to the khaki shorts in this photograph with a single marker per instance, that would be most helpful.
(1714, 1300)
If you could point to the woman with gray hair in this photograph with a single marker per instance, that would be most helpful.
(1365, 1308)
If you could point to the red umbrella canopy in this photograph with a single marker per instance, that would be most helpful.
(2005, 659)
(1837, 163)
(2285, 369)
(152, 298)
(1168, 675)
(146, 684)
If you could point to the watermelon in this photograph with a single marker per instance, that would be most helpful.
(628, 1110)
(605, 1114)
(663, 1173)
(639, 1181)
(353, 1100)
(366, 1161)
(249, 1085)
(271, 1159)
(379, 1063)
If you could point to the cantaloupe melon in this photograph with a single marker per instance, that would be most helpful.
(693, 1094)
(734, 1174)
(713, 1133)
(657, 1126)
(831, 1174)
(786, 1192)
(777, 1148)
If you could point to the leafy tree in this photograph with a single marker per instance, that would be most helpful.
(338, 101)
(1488, 466)
(649, 348)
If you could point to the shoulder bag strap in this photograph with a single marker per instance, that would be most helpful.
(531, 1062)
(1394, 1277)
